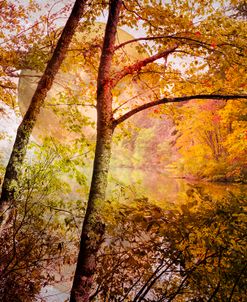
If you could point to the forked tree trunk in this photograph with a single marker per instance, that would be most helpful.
(13, 170)
(93, 228)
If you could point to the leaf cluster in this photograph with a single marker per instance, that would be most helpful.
(194, 251)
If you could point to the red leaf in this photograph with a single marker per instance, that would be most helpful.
(213, 45)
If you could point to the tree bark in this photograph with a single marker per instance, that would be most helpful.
(93, 228)
(13, 169)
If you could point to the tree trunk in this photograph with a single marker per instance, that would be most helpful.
(13, 170)
(93, 228)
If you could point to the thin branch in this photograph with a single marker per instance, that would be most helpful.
(140, 64)
(150, 280)
(153, 279)
(74, 104)
(236, 282)
(22, 32)
(176, 100)
(138, 15)
(132, 98)
(214, 292)
(177, 291)
(160, 38)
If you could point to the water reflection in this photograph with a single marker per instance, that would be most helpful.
(166, 187)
